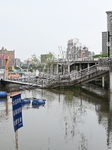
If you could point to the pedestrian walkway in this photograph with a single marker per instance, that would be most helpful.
(73, 79)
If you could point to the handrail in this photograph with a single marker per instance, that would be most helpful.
(61, 79)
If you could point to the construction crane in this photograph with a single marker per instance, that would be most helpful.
(6, 57)
(6, 66)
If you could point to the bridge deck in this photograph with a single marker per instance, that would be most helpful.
(75, 78)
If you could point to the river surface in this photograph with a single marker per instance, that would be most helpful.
(67, 121)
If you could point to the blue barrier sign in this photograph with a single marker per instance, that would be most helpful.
(17, 111)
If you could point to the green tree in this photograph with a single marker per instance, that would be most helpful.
(35, 62)
(48, 60)
(100, 55)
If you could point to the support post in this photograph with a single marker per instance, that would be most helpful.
(103, 81)
(68, 67)
(110, 77)
(57, 68)
(16, 140)
(110, 102)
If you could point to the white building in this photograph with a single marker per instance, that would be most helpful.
(76, 50)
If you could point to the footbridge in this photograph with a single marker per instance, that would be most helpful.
(72, 79)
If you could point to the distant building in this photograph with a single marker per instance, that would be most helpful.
(26, 63)
(44, 57)
(17, 62)
(75, 50)
(104, 42)
(73, 47)
(11, 54)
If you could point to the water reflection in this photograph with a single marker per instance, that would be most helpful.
(83, 103)
(3, 104)
(37, 106)
(68, 120)
(3, 114)
(76, 117)
(26, 106)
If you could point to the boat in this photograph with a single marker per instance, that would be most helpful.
(25, 101)
(38, 102)
(3, 94)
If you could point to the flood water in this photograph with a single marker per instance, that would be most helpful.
(67, 121)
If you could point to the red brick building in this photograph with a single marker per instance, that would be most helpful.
(10, 53)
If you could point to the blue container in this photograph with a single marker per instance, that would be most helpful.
(38, 102)
(3, 94)
(25, 101)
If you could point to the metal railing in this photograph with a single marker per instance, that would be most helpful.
(103, 65)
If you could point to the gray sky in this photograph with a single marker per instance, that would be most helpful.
(40, 26)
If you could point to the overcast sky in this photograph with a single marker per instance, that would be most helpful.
(40, 26)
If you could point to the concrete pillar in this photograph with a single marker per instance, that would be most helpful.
(68, 67)
(88, 65)
(110, 102)
(110, 78)
(109, 45)
(57, 69)
(103, 81)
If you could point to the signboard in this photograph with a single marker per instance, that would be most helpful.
(17, 111)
